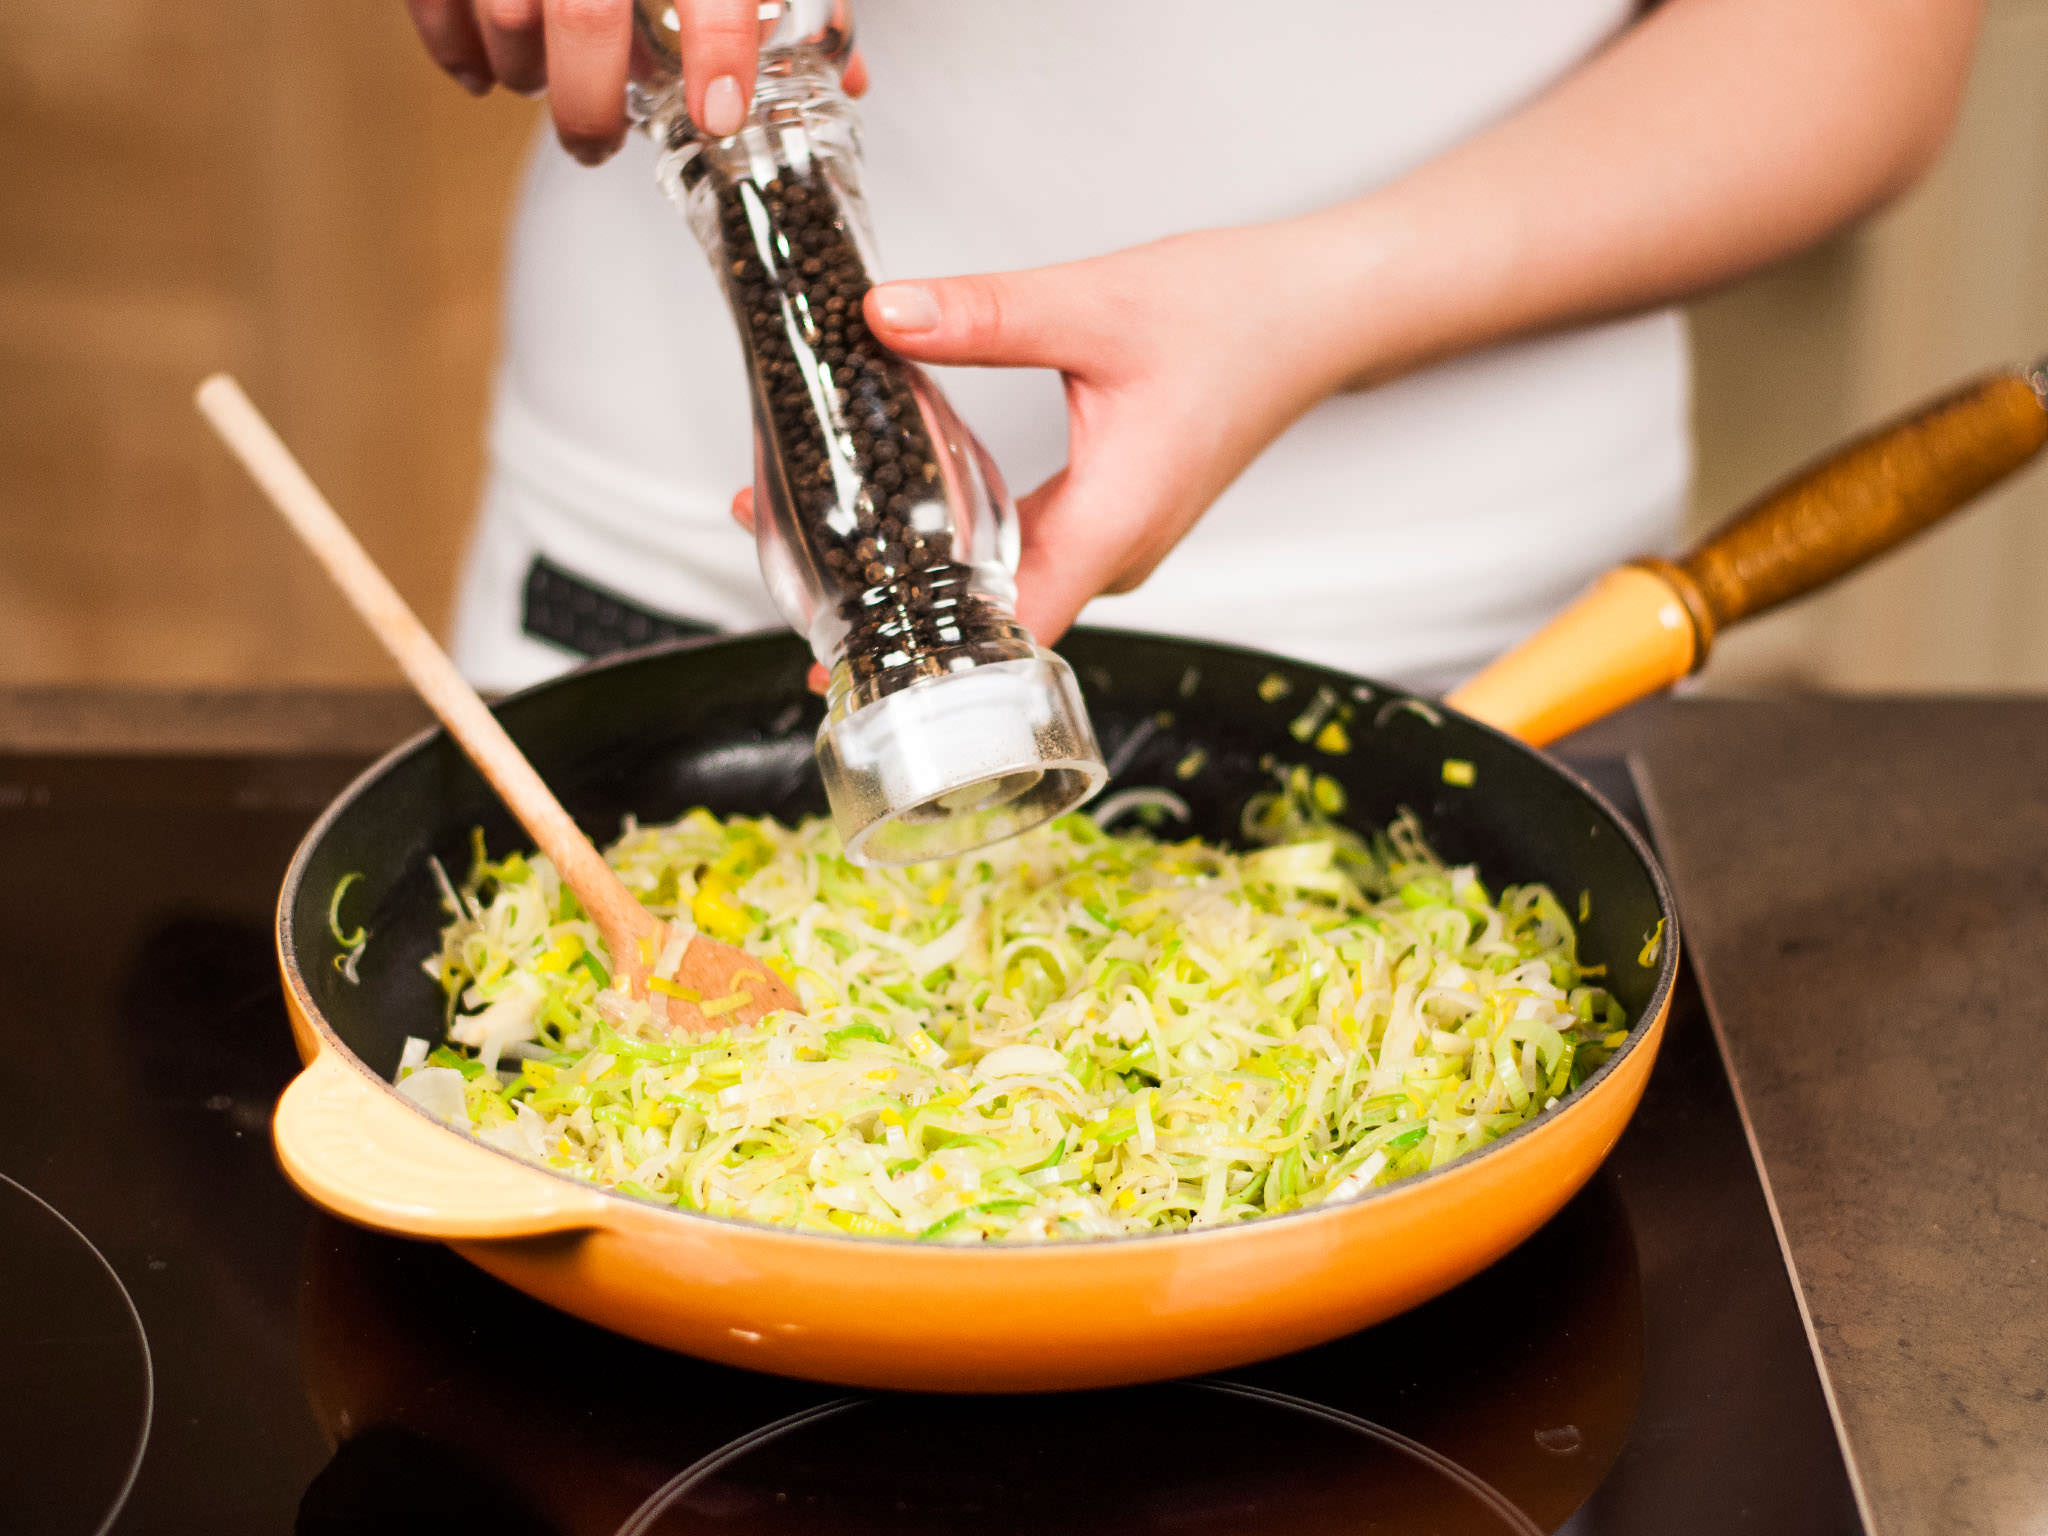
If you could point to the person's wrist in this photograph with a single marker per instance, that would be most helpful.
(1291, 325)
(1368, 320)
(1422, 271)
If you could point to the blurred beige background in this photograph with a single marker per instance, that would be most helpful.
(290, 191)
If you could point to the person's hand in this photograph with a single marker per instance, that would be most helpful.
(576, 51)
(1182, 359)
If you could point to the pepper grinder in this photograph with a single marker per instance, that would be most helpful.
(886, 535)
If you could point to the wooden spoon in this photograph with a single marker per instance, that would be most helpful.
(732, 986)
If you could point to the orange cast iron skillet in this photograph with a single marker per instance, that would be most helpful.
(729, 724)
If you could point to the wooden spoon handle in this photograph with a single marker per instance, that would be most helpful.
(611, 906)
(1643, 626)
(1860, 501)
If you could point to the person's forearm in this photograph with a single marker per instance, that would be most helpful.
(1712, 138)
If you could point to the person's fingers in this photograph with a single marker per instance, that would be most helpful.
(1068, 556)
(1104, 522)
(853, 79)
(512, 37)
(586, 71)
(743, 514)
(1047, 318)
(817, 679)
(448, 29)
(1042, 601)
(719, 40)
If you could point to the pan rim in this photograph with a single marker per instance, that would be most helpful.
(1647, 1022)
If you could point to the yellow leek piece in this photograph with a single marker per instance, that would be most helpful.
(562, 954)
(863, 1225)
(717, 914)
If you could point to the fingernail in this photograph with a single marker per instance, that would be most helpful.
(587, 152)
(906, 307)
(723, 109)
(473, 81)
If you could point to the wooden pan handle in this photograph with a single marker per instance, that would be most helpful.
(1645, 625)
(1860, 501)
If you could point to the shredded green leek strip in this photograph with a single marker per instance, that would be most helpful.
(1079, 1033)
(353, 940)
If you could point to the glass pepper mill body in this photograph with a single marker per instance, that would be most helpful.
(886, 535)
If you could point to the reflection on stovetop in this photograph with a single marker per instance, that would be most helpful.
(1638, 1365)
(1516, 1393)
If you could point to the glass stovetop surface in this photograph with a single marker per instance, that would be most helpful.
(185, 1344)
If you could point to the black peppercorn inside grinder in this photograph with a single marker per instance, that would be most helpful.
(886, 535)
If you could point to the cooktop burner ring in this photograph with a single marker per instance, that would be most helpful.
(641, 1522)
(1482, 1492)
(1682, 1374)
(57, 1266)
(1476, 1495)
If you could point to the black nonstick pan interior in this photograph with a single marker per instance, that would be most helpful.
(728, 724)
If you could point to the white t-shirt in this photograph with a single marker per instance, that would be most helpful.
(1408, 532)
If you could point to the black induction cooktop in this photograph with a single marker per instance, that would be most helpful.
(185, 1345)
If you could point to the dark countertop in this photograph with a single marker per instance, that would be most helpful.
(1864, 887)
